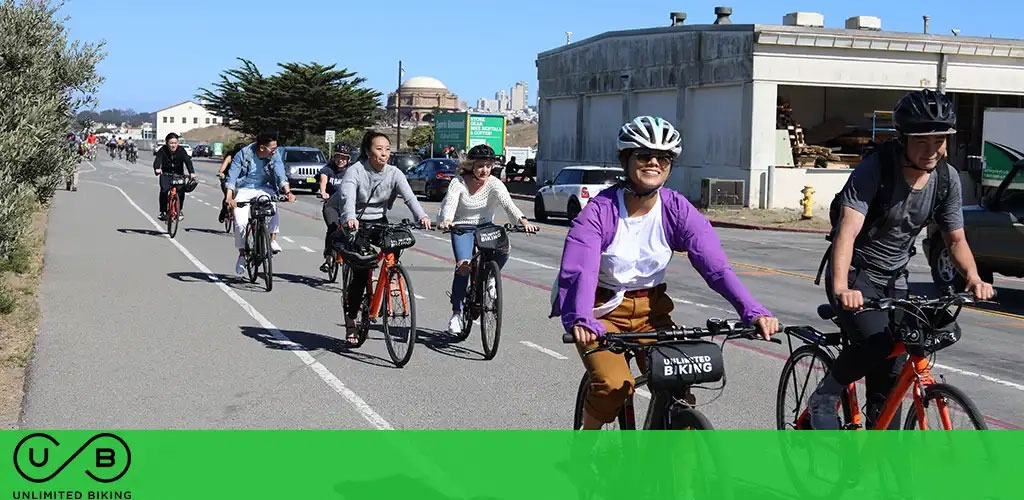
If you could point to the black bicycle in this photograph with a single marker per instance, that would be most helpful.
(257, 251)
(483, 294)
(675, 360)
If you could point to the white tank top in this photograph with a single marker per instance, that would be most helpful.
(637, 257)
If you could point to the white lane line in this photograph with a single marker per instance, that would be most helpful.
(289, 240)
(310, 250)
(542, 266)
(418, 296)
(544, 350)
(703, 306)
(329, 378)
(200, 201)
(994, 380)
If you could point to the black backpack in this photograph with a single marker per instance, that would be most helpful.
(874, 219)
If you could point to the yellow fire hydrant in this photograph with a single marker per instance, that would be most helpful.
(807, 201)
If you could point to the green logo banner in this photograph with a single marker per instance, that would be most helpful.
(427, 465)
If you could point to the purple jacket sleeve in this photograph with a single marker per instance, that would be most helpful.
(704, 249)
(577, 277)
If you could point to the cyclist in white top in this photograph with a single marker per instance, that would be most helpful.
(473, 198)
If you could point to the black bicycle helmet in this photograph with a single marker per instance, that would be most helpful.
(924, 112)
(481, 152)
(191, 184)
(342, 150)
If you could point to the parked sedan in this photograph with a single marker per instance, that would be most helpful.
(431, 177)
(571, 190)
(995, 231)
(302, 164)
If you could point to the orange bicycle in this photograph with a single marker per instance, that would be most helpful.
(398, 312)
(178, 181)
(926, 327)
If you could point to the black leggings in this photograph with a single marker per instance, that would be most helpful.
(357, 285)
(332, 218)
(871, 343)
(224, 202)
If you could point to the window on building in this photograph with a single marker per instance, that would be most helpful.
(215, 119)
(207, 120)
(195, 120)
(172, 119)
(184, 119)
(165, 119)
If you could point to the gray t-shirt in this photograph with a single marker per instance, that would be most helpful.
(368, 194)
(908, 211)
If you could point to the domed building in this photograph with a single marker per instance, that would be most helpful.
(421, 95)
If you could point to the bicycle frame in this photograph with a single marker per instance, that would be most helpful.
(387, 261)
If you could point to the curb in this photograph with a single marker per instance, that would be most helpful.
(527, 197)
(733, 225)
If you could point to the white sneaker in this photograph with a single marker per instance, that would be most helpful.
(274, 246)
(455, 324)
(240, 266)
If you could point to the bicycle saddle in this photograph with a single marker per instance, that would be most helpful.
(826, 312)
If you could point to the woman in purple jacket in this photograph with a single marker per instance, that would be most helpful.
(612, 277)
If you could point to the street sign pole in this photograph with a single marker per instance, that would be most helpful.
(329, 139)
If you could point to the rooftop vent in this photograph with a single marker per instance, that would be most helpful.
(723, 14)
(677, 18)
(864, 23)
(809, 19)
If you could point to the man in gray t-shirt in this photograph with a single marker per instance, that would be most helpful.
(909, 210)
(869, 256)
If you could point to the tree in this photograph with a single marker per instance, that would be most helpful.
(421, 136)
(44, 80)
(301, 101)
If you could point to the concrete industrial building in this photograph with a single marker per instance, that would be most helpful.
(520, 96)
(723, 86)
(182, 117)
(421, 95)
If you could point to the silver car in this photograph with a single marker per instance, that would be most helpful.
(302, 165)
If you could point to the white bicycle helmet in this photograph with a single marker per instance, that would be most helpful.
(650, 132)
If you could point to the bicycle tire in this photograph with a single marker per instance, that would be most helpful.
(932, 393)
(252, 253)
(172, 214)
(782, 420)
(332, 272)
(688, 419)
(490, 306)
(394, 337)
(229, 221)
(620, 422)
(268, 258)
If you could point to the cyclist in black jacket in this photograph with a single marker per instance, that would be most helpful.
(171, 159)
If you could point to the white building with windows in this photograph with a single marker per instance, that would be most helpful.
(182, 117)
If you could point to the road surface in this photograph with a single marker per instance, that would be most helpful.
(140, 331)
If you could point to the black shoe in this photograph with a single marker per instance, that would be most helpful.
(162, 216)
(222, 217)
(325, 267)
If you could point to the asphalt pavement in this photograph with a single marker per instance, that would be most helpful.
(141, 331)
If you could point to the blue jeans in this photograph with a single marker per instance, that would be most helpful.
(462, 246)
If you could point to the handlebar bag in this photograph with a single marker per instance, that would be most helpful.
(492, 238)
(397, 239)
(674, 366)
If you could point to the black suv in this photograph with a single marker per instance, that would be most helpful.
(995, 231)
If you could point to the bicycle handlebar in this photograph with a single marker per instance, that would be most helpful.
(404, 224)
(262, 198)
(461, 228)
(715, 326)
(887, 304)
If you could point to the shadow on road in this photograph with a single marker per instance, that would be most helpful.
(219, 232)
(147, 232)
(445, 343)
(1008, 300)
(317, 283)
(235, 282)
(310, 342)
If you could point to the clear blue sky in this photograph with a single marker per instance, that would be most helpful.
(160, 53)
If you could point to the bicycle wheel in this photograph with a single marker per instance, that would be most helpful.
(332, 273)
(268, 258)
(946, 408)
(688, 419)
(252, 253)
(620, 422)
(229, 221)
(172, 214)
(800, 376)
(490, 309)
(399, 316)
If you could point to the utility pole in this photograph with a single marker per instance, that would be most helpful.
(398, 109)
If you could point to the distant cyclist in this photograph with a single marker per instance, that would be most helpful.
(222, 174)
(331, 176)
(473, 198)
(612, 275)
(369, 188)
(120, 148)
(256, 170)
(172, 159)
(112, 146)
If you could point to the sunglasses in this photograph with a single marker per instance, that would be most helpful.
(643, 157)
